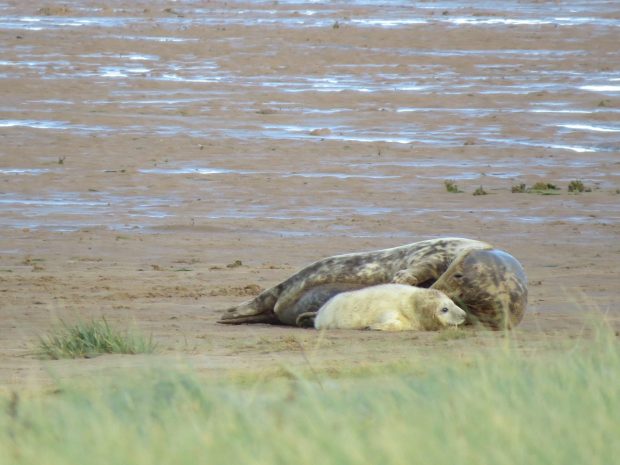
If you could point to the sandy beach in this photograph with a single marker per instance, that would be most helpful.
(163, 161)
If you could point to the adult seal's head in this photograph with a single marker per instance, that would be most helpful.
(489, 284)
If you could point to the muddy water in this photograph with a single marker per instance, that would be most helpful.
(139, 115)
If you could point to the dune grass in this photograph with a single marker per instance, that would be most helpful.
(504, 407)
(452, 187)
(89, 339)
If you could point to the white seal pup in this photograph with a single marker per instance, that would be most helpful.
(390, 307)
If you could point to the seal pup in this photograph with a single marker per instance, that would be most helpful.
(390, 307)
(417, 264)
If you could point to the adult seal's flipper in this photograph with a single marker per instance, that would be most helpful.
(257, 310)
(231, 317)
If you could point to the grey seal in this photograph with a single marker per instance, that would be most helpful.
(488, 283)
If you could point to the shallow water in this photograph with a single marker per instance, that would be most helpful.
(153, 75)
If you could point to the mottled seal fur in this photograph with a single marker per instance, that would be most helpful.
(390, 307)
(488, 283)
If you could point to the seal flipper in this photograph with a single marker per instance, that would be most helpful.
(231, 319)
(257, 310)
(306, 320)
(421, 274)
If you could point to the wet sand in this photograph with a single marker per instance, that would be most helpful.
(146, 148)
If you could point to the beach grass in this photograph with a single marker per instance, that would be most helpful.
(452, 187)
(480, 191)
(495, 407)
(544, 188)
(89, 339)
(578, 186)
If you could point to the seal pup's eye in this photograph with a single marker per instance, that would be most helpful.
(458, 275)
(445, 310)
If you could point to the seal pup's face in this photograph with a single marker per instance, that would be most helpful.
(436, 310)
(448, 313)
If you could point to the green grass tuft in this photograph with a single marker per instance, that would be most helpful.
(452, 187)
(544, 188)
(578, 186)
(89, 339)
(480, 191)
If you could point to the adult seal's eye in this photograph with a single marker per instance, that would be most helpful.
(445, 310)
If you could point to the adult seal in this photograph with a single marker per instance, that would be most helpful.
(488, 283)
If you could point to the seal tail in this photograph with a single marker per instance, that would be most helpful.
(233, 318)
(257, 310)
